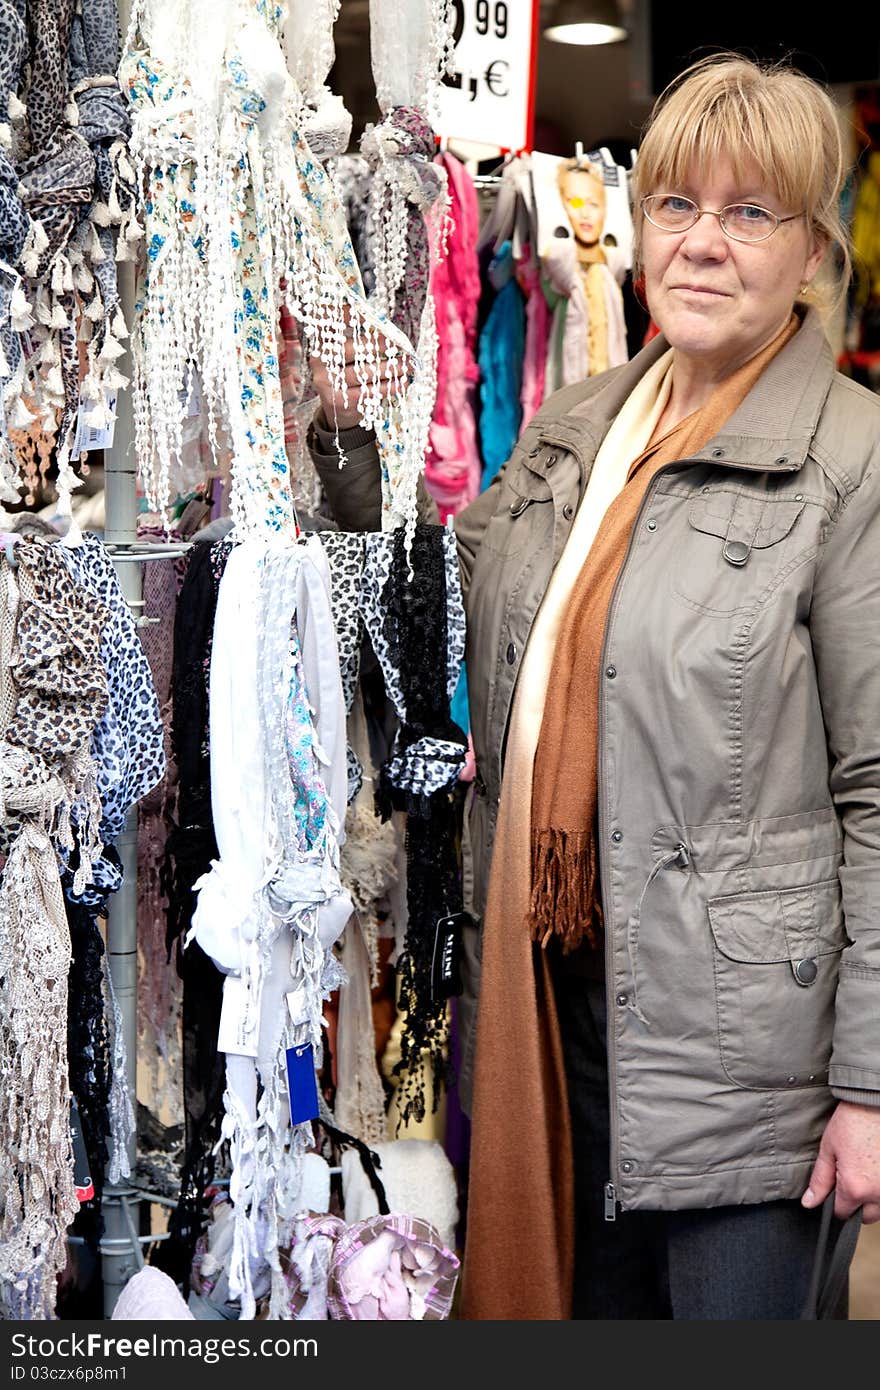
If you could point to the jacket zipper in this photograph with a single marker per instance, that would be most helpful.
(610, 1190)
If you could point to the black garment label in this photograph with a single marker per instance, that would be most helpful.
(446, 961)
(82, 1177)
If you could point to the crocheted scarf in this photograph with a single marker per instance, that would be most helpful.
(411, 621)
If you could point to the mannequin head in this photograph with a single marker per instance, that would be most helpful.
(583, 196)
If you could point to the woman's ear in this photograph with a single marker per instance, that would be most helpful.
(817, 254)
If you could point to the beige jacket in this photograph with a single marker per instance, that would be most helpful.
(739, 756)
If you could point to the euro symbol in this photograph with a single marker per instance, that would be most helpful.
(495, 75)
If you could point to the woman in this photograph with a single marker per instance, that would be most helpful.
(674, 654)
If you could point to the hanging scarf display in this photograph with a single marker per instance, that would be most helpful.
(220, 146)
(409, 622)
(190, 847)
(308, 44)
(159, 992)
(272, 905)
(75, 184)
(452, 468)
(54, 689)
(410, 49)
(14, 228)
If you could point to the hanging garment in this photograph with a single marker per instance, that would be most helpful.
(159, 988)
(537, 337)
(310, 53)
(418, 1180)
(384, 1268)
(128, 748)
(191, 846)
(54, 689)
(236, 206)
(452, 465)
(88, 1039)
(76, 184)
(502, 344)
(412, 622)
(14, 228)
(150, 1296)
(272, 905)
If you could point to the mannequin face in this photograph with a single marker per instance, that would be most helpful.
(583, 196)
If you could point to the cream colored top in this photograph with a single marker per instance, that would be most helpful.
(628, 437)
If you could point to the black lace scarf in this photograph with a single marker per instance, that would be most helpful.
(189, 850)
(415, 631)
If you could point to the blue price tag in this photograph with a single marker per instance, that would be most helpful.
(302, 1087)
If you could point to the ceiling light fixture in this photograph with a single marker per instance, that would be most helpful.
(585, 22)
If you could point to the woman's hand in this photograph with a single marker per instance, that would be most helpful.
(344, 415)
(849, 1159)
(337, 411)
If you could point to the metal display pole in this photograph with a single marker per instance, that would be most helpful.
(120, 1254)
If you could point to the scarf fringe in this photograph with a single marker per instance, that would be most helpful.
(564, 899)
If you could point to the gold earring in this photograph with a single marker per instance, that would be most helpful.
(804, 288)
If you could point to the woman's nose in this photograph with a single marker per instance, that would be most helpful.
(705, 237)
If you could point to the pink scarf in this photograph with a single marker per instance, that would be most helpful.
(452, 469)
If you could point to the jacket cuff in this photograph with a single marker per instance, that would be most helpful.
(353, 493)
(856, 1097)
(325, 437)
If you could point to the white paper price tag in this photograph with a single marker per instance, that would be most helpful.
(489, 95)
(234, 1035)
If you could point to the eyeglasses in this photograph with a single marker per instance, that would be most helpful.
(739, 221)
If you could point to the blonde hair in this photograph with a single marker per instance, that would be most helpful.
(728, 107)
(571, 166)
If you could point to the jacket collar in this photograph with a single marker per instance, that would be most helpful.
(770, 431)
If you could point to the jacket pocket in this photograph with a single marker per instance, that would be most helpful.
(776, 957)
(735, 548)
(522, 509)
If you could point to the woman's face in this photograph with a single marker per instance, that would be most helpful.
(584, 199)
(719, 301)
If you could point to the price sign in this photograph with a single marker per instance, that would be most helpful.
(489, 96)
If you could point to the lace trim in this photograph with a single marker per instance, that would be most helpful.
(407, 620)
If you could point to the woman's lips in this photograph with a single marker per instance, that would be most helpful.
(702, 289)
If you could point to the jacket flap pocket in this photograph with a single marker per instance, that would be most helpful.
(528, 485)
(760, 521)
(780, 924)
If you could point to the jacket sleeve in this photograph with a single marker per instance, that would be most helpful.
(354, 493)
(845, 630)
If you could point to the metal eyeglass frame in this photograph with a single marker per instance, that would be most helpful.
(698, 213)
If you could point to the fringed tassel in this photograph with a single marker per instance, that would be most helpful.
(95, 310)
(83, 279)
(565, 881)
(20, 418)
(20, 311)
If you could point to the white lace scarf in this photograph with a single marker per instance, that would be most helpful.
(218, 123)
